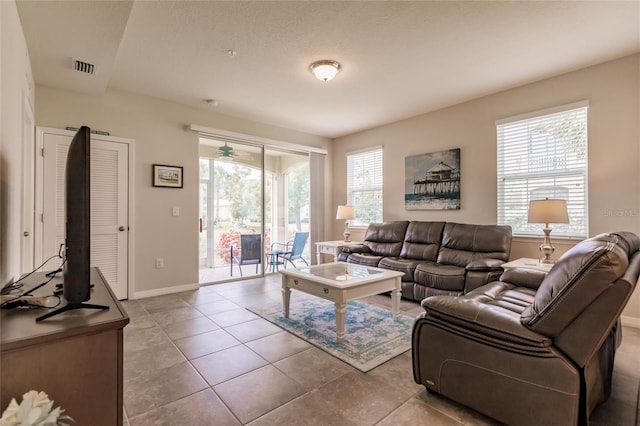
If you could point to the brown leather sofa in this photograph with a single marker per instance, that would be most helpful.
(436, 257)
(531, 349)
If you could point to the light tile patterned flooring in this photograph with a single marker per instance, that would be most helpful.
(201, 358)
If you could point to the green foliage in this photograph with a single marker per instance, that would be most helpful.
(298, 192)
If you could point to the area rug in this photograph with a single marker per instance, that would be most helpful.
(372, 336)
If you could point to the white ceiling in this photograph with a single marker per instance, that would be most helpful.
(399, 58)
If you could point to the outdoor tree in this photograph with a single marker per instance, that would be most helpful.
(298, 192)
(252, 199)
(235, 190)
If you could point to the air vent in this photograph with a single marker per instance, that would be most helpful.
(84, 67)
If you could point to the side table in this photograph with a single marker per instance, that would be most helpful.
(332, 247)
(528, 263)
(273, 260)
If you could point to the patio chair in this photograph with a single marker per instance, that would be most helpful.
(292, 249)
(250, 252)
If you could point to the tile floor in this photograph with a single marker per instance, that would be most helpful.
(223, 272)
(201, 358)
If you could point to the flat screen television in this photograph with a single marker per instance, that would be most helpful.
(76, 270)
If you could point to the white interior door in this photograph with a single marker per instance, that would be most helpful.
(109, 204)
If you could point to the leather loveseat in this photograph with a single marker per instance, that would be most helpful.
(530, 348)
(437, 258)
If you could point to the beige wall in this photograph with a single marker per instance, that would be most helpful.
(613, 91)
(159, 130)
(15, 84)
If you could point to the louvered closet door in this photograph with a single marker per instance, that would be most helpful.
(108, 218)
(109, 209)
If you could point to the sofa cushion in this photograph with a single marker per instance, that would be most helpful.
(422, 240)
(444, 277)
(577, 279)
(406, 266)
(385, 239)
(464, 243)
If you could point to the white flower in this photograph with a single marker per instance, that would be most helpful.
(34, 410)
(10, 415)
(36, 399)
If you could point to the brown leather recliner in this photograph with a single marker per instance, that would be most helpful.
(531, 349)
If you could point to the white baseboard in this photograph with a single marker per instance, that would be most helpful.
(630, 321)
(164, 291)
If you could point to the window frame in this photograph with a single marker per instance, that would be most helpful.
(367, 155)
(558, 172)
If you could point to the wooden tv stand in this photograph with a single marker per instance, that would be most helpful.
(75, 357)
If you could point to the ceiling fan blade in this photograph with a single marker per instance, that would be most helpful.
(226, 150)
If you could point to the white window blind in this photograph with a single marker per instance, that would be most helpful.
(543, 155)
(364, 185)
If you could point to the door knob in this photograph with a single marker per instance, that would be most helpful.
(26, 233)
(121, 228)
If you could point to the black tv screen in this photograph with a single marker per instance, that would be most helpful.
(76, 271)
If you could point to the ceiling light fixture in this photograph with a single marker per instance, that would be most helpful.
(325, 70)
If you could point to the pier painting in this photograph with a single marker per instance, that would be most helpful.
(432, 181)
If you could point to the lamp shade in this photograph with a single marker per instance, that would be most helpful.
(548, 211)
(325, 70)
(346, 213)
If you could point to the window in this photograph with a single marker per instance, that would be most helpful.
(543, 154)
(364, 185)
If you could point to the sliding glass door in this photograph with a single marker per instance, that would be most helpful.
(296, 193)
(252, 201)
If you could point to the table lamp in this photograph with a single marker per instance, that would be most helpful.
(547, 211)
(346, 213)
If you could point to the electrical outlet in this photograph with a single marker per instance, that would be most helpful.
(159, 263)
(175, 211)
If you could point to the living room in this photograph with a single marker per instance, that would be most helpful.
(610, 88)
(159, 128)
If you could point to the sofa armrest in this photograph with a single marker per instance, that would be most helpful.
(485, 265)
(356, 248)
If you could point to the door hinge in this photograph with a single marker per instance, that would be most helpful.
(42, 152)
(42, 217)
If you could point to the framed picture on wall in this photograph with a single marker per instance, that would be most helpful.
(167, 176)
(432, 181)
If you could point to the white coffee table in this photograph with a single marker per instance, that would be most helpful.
(341, 282)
